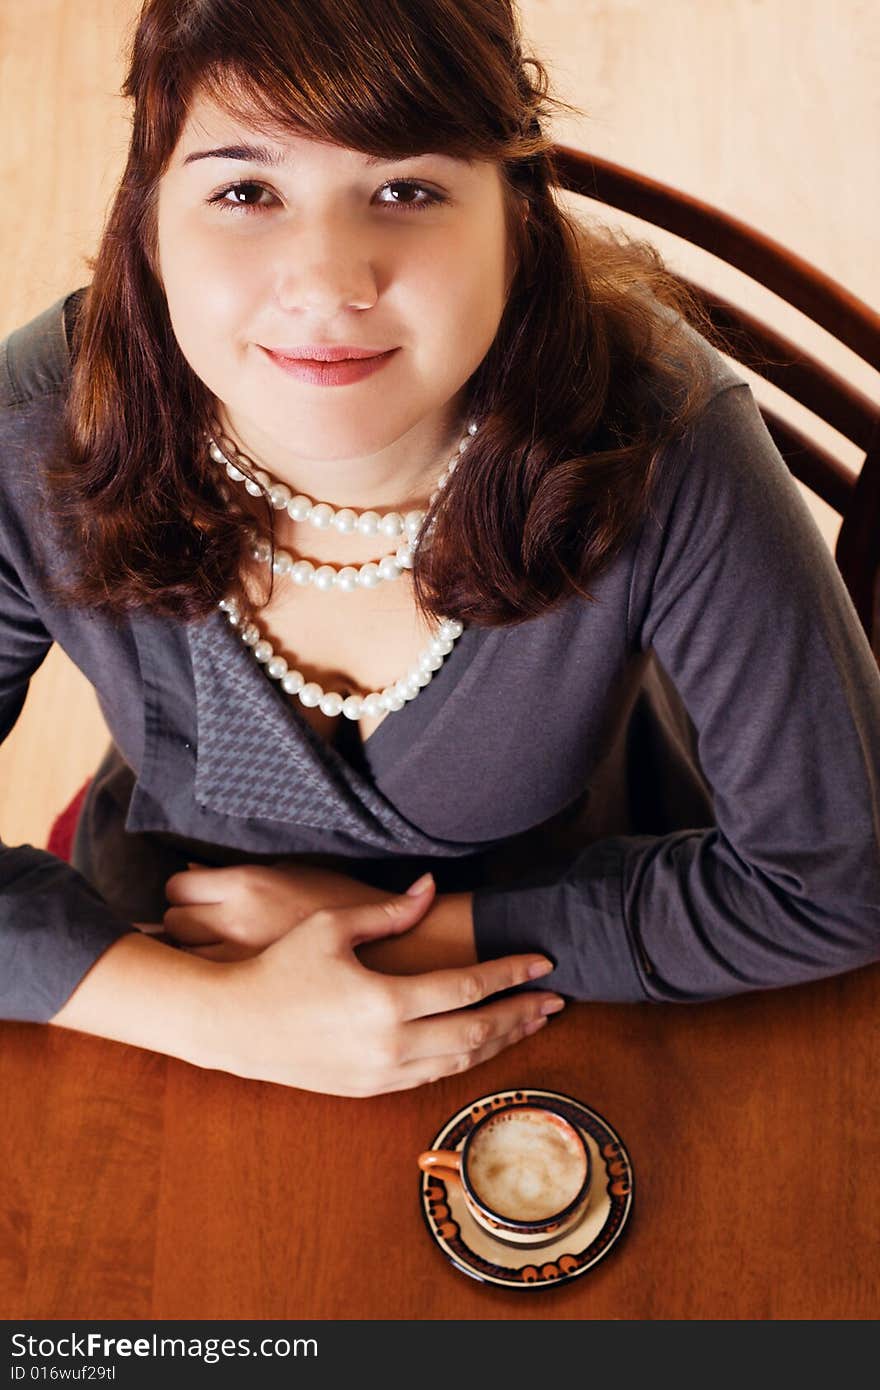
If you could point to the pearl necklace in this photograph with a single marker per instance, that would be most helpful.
(346, 578)
(332, 702)
(345, 520)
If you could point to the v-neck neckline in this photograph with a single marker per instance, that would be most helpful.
(399, 731)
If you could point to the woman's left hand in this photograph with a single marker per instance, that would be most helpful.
(235, 912)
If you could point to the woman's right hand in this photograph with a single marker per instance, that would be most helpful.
(305, 1012)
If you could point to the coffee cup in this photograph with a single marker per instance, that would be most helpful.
(524, 1172)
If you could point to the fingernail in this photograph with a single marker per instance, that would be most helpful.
(539, 968)
(421, 885)
(552, 1006)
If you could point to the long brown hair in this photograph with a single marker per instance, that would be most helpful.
(585, 383)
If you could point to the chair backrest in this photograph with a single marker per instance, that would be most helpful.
(856, 497)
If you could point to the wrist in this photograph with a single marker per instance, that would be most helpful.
(144, 993)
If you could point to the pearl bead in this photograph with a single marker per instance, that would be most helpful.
(233, 618)
(324, 578)
(277, 667)
(400, 688)
(302, 572)
(440, 646)
(263, 651)
(424, 678)
(368, 523)
(472, 427)
(352, 707)
(321, 515)
(283, 562)
(451, 628)
(345, 521)
(261, 551)
(389, 568)
(411, 686)
(253, 487)
(311, 695)
(347, 579)
(250, 635)
(412, 523)
(293, 682)
(279, 496)
(299, 507)
(216, 452)
(331, 703)
(368, 575)
(404, 557)
(393, 701)
(372, 705)
(391, 524)
(234, 473)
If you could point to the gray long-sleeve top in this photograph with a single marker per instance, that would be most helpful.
(674, 791)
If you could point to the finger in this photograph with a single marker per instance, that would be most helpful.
(429, 1069)
(440, 991)
(199, 885)
(192, 926)
(388, 916)
(453, 1034)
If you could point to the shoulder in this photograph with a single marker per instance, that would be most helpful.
(35, 358)
(34, 371)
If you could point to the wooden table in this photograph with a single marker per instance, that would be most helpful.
(135, 1186)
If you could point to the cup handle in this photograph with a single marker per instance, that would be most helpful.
(443, 1162)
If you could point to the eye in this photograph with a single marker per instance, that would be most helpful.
(244, 196)
(430, 199)
(239, 201)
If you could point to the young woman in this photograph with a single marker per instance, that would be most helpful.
(404, 523)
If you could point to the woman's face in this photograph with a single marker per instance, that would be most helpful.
(322, 245)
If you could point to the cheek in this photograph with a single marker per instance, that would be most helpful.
(207, 279)
(462, 296)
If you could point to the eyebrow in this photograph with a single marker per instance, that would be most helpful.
(263, 154)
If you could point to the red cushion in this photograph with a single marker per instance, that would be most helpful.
(64, 826)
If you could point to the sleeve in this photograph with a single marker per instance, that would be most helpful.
(738, 595)
(53, 924)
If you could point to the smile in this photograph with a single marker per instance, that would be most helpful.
(342, 373)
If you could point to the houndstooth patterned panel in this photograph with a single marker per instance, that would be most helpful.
(256, 758)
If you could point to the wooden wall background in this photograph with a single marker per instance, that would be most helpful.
(767, 108)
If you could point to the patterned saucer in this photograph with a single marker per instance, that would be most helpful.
(474, 1251)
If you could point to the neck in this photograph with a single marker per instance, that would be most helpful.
(399, 477)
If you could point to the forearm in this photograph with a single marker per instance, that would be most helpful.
(142, 992)
(444, 938)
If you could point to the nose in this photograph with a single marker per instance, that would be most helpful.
(325, 268)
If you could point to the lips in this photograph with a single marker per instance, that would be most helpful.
(325, 353)
(341, 369)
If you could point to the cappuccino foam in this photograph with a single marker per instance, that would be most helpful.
(526, 1165)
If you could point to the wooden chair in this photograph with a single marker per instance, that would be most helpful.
(856, 498)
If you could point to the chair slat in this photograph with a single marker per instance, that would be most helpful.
(800, 375)
(816, 294)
